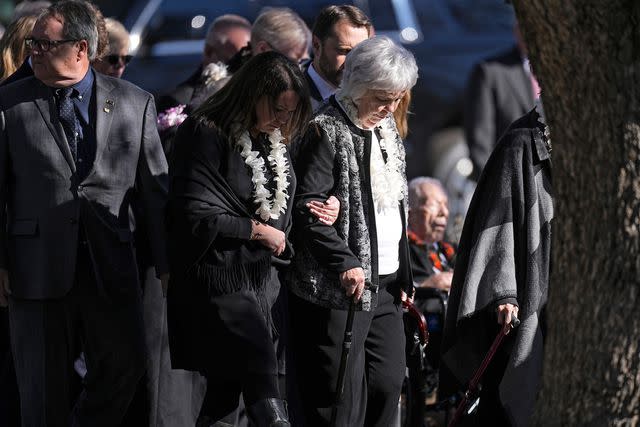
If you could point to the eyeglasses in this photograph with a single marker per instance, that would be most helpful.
(114, 59)
(45, 45)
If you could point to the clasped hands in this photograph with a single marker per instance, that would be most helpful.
(275, 240)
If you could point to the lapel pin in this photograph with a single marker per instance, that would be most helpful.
(108, 106)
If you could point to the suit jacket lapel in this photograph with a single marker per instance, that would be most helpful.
(49, 111)
(106, 103)
(313, 90)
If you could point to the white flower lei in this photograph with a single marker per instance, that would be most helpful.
(387, 183)
(277, 159)
(213, 72)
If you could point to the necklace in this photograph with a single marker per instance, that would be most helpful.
(270, 206)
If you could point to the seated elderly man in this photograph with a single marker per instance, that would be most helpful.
(432, 262)
(432, 258)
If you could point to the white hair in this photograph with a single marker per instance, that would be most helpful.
(416, 196)
(378, 64)
(281, 28)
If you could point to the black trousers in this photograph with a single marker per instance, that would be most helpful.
(242, 358)
(9, 402)
(48, 335)
(376, 367)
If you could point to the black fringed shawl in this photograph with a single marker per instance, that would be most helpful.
(208, 216)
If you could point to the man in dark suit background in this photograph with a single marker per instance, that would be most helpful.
(500, 90)
(226, 35)
(336, 30)
(73, 145)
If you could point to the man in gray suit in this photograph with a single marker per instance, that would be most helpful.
(73, 146)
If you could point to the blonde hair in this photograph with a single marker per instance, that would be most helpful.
(118, 35)
(12, 46)
(401, 115)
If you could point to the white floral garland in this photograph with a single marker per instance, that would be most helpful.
(213, 72)
(387, 182)
(268, 209)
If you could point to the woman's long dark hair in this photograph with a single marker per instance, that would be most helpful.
(232, 109)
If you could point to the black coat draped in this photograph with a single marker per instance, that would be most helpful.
(209, 218)
(504, 256)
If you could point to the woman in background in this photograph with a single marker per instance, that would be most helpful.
(114, 62)
(12, 45)
(401, 115)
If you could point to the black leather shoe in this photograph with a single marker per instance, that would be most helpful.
(268, 413)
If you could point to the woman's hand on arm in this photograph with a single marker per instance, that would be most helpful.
(268, 236)
(326, 212)
(314, 171)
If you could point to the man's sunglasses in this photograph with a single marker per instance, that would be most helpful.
(45, 45)
(114, 59)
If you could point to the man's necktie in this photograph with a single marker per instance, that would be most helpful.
(68, 118)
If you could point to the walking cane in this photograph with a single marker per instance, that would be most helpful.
(421, 322)
(475, 381)
(342, 371)
(417, 340)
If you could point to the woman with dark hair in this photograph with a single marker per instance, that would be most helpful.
(231, 191)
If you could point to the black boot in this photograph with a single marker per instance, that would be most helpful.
(268, 413)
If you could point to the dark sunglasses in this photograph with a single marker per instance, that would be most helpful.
(45, 45)
(114, 59)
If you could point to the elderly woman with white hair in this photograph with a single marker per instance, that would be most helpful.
(352, 150)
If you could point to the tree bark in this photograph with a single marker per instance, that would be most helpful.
(586, 56)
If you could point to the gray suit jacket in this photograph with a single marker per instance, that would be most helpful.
(498, 92)
(42, 204)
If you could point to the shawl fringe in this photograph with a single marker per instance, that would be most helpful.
(224, 280)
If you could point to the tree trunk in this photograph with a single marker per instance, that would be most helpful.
(586, 55)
